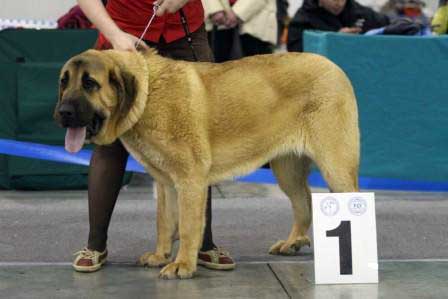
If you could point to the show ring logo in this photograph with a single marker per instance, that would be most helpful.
(329, 206)
(357, 206)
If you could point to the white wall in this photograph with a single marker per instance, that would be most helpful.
(34, 9)
(53, 9)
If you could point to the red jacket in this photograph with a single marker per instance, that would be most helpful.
(132, 16)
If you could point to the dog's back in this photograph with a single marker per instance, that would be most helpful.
(265, 106)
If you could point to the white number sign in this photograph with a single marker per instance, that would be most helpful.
(344, 235)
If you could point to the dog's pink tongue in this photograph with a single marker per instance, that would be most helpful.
(74, 139)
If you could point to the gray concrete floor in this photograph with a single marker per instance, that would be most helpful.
(40, 231)
(250, 280)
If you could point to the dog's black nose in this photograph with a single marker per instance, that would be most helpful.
(67, 110)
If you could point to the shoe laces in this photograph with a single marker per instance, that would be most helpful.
(221, 252)
(85, 253)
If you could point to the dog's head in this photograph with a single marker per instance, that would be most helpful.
(98, 97)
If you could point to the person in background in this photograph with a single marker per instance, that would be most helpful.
(439, 23)
(75, 19)
(411, 9)
(346, 16)
(245, 26)
(120, 24)
(282, 21)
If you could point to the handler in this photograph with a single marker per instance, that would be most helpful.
(121, 23)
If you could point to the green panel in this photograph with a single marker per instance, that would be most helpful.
(36, 98)
(37, 85)
(8, 95)
(4, 177)
(44, 45)
(54, 182)
(400, 83)
(28, 93)
(23, 166)
(49, 182)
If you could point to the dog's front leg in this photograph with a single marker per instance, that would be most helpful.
(191, 202)
(167, 225)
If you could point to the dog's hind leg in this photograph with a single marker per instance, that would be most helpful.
(291, 172)
(334, 145)
(340, 175)
(338, 163)
(167, 228)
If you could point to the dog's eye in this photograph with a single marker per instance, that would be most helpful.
(64, 80)
(89, 84)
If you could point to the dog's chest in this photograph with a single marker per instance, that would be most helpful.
(146, 154)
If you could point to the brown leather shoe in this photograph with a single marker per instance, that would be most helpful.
(216, 259)
(89, 260)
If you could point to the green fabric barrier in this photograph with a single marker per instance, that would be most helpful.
(44, 45)
(30, 62)
(400, 84)
(8, 95)
(37, 86)
(37, 92)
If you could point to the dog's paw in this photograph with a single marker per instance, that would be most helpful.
(177, 270)
(150, 259)
(289, 248)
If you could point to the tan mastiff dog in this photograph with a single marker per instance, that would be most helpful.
(194, 124)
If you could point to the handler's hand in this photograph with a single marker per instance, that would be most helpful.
(350, 30)
(218, 18)
(125, 42)
(169, 6)
(232, 19)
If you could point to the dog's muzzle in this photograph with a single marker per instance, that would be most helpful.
(72, 115)
(68, 115)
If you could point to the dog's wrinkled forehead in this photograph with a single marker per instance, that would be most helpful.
(86, 62)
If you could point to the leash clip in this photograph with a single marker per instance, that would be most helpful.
(154, 11)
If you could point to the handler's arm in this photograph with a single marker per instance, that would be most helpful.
(246, 9)
(213, 6)
(97, 14)
(170, 6)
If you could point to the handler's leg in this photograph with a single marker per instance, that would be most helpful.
(207, 242)
(106, 173)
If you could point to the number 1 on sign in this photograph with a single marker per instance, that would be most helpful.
(344, 232)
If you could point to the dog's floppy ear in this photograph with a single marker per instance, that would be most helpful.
(125, 85)
(128, 81)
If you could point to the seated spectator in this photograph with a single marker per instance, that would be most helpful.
(392, 8)
(346, 16)
(440, 21)
(403, 26)
(411, 9)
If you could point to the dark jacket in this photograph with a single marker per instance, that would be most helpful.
(311, 16)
